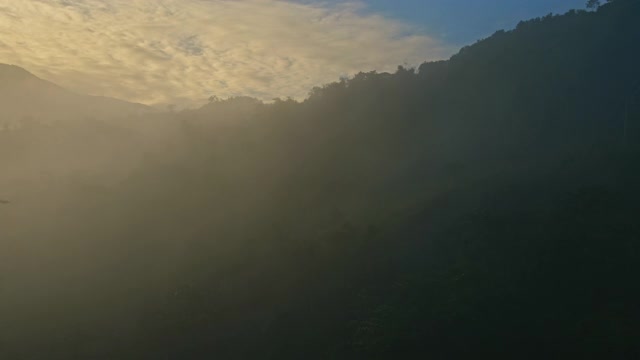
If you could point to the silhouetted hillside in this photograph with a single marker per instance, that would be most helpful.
(483, 206)
(25, 97)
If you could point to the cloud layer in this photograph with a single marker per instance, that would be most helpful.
(183, 51)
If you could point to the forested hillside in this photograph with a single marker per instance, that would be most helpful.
(485, 205)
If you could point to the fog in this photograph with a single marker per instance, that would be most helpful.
(59, 263)
(118, 213)
(484, 204)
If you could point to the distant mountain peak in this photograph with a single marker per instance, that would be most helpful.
(11, 67)
(24, 94)
(13, 72)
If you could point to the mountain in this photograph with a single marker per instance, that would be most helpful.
(25, 96)
(485, 206)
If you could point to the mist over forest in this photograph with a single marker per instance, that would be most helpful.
(484, 205)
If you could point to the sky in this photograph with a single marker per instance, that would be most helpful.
(162, 52)
(462, 22)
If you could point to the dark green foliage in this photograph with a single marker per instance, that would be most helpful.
(594, 4)
(484, 206)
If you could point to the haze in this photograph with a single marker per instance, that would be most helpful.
(262, 179)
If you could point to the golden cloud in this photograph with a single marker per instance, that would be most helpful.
(183, 51)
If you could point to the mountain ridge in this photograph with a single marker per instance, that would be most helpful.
(24, 95)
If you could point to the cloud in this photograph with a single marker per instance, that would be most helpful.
(183, 51)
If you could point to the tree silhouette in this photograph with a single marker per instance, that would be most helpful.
(592, 4)
(483, 200)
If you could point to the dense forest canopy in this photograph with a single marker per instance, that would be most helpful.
(482, 205)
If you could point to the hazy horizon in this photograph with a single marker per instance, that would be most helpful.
(396, 206)
(182, 52)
